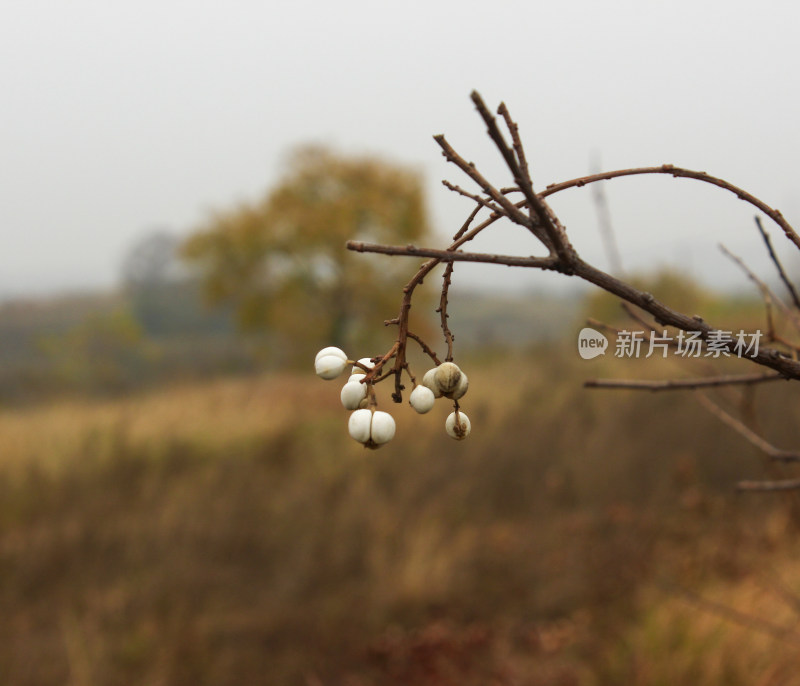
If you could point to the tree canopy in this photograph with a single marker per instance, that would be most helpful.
(282, 263)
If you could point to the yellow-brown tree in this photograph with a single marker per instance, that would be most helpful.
(281, 260)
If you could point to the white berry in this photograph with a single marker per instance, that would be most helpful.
(371, 428)
(359, 425)
(429, 381)
(329, 366)
(461, 388)
(457, 429)
(353, 392)
(422, 399)
(446, 377)
(383, 427)
(331, 350)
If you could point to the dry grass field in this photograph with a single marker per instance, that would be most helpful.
(230, 532)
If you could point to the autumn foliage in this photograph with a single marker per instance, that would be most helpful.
(281, 260)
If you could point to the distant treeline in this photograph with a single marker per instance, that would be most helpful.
(163, 332)
(109, 343)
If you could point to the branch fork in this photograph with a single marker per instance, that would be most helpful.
(532, 212)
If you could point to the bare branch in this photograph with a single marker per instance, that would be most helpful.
(597, 324)
(767, 293)
(513, 129)
(789, 285)
(511, 210)
(606, 227)
(472, 196)
(548, 263)
(769, 486)
(471, 218)
(740, 193)
(442, 310)
(683, 384)
(556, 237)
(465, 234)
(546, 227)
(664, 315)
(748, 434)
(424, 347)
(633, 314)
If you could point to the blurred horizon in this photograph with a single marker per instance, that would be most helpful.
(120, 119)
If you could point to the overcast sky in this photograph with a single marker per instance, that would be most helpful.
(121, 117)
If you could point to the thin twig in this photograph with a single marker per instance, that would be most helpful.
(511, 210)
(547, 263)
(767, 296)
(769, 486)
(682, 384)
(597, 324)
(772, 334)
(768, 357)
(425, 348)
(606, 226)
(513, 129)
(442, 310)
(633, 314)
(465, 226)
(519, 151)
(544, 224)
(464, 235)
(681, 172)
(789, 285)
(556, 238)
(472, 196)
(766, 292)
(748, 434)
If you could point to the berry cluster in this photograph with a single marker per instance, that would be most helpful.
(370, 426)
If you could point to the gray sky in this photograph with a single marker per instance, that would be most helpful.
(121, 117)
